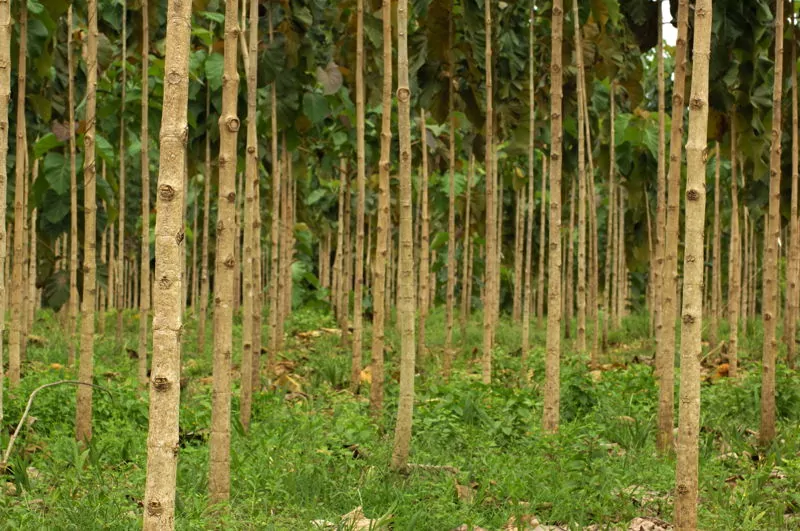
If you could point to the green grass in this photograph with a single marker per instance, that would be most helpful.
(293, 467)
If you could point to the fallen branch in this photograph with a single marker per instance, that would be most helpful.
(13, 438)
(434, 468)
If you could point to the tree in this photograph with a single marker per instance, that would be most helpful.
(225, 264)
(692, 315)
(358, 317)
(144, 281)
(5, 98)
(451, 209)
(204, 280)
(424, 244)
(735, 269)
(772, 236)
(73, 194)
(490, 271)
(661, 192)
(527, 290)
(581, 335)
(83, 418)
(120, 303)
(793, 291)
(275, 328)
(15, 336)
(552, 386)
(716, 260)
(162, 437)
(665, 355)
(405, 283)
(383, 229)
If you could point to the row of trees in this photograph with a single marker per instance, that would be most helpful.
(478, 92)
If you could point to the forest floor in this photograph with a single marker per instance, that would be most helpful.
(318, 455)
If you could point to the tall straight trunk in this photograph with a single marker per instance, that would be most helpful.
(622, 271)
(500, 202)
(542, 244)
(771, 238)
(338, 262)
(569, 271)
(5, 98)
(250, 279)
(275, 223)
(716, 258)
(651, 253)
(735, 269)
(162, 439)
(122, 160)
(466, 291)
(254, 181)
(665, 355)
(225, 267)
(288, 233)
(195, 281)
(342, 255)
(15, 340)
(424, 244)
(452, 265)
(692, 315)
(358, 317)
(610, 263)
(102, 301)
(347, 249)
(661, 198)
(527, 289)
(552, 387)
(144, 281)
(405, 297)
(383, 224)
(793, 290)
(745, 265)
(237, 242)
(490, 271)
(31, 307)
(204, 284)
(519, 238)
(83, 413)
(581, 285)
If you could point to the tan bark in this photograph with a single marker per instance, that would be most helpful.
(424, 244)
(254, 180)
(519, 238)
(405, 297)
(657, 282)
(31, 307)
(692, 315)
(542, 244)
(276, 333)
(581, 285)
(194, 295)
(83, 414)
(5, 98)
(793, 290)
(527, 289)
(452, 265)
(716, 258)
(490, 271)
(771, 291)
(552, 386)
(15, 339)
(745, 267)
(382, 227)
(120, 303)
(466, 285)
(204, 284)
(568, 273)
(225, 266)
(735, 269)
(611, 235)
(665, 356)
(162, 440)
(144, 281)
(358, 298)
(342, 255)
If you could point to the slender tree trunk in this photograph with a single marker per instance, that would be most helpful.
(31, 307)
(491, 208)
(405, 298)
(204, 283)
(665, 355)
(735, 269)
(771, 237)
(581, 286)
(83, 417)
(162, 440)
(692, 315)
(622, 268)
(527, 289)
(716, 259)
(5, 97)
(358, 317)
(15, 341)
(122, 159)
(276, 333)
(657, 287)
(552, 388)
(745, 267)
(452, 265)
(383, 229)
(611, 255)
(195, 281)
(569, 272)
(519, 238)
(254, 180)
(793, 290)
(466, 291)
(144, 283)
(343, 304)
(338, 261)
(542, 244)
(225, 267)
(288, 233)
(424, 245)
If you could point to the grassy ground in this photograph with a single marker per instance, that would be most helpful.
(293, 467)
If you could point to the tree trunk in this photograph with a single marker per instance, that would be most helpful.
(581, 286)
(31, 307)
(490, 272)
(5, 97)
(194, 295)
(657, 284)
(735, 269)
(355, 372)
(716, 258)
(771, 238)
(692, 315)
(611, 255)
(204, 284)
(144, 282)
(569, 271)
(552, 387)
(452, 265)
(405, 298)
(15, 342)
(122, 159)
(793, 291)
(276, 332)
(746, 265)
(527, 289)
(665, 355)
(382, 236)
(83, 413)
(542, 244)
(622, 268)
(424, 245)
(159, 506)
(254, 179)
(466, 285)
(225, 267)
(519, 238)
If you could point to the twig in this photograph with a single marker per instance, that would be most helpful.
(435, 468)
(13, 438)
(712, 351)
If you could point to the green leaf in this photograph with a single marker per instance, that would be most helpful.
(56, 171)
(439, 240)
(219, 18)
(214, 68)
(330, 78)
(339, 138)
(45, 144)
(315, 107)
(315, 196)
(104, 149)
(35, 7)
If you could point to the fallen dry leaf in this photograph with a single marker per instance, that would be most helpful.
(648, 524)
(288, 383)
(525, 522)
(56, 366)
(352, 521)
(465, 527)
